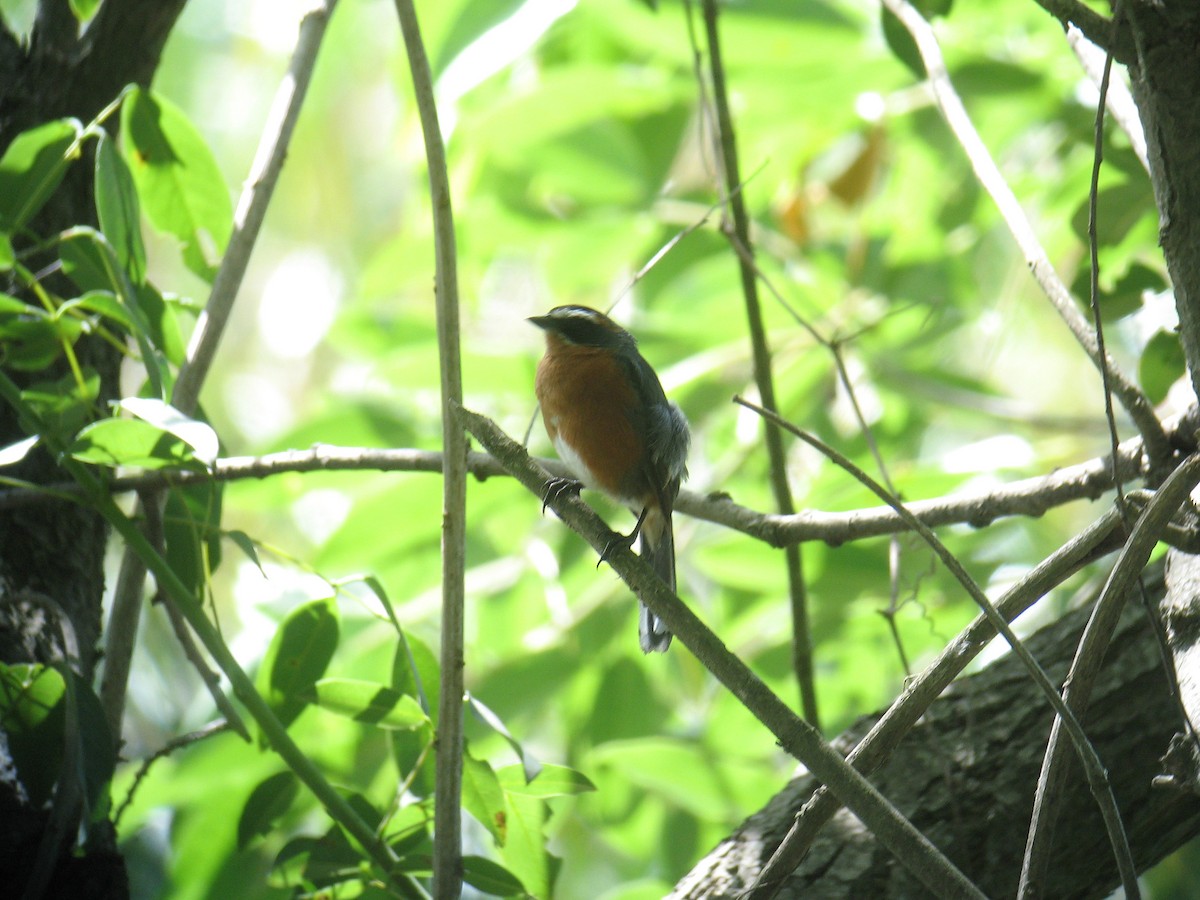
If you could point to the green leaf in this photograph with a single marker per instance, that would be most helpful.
(483, 797)
(192, 532)
(415, 672)
(32, 341)
(7, 256)
(525, 853)
(117, 208)
(1118, 208)
(246, 544)
(177, 178)
(1161, 365)
(491, 877)
(368, 702)
(103, 303)
(32, 168)
(86, 262)
(31, 716)
(131, 442)
(267, 803)
(90, 261)
(529, 762)
(63, 406)
(551, 781)
(84, 9)
(197, 435)
(298, 655)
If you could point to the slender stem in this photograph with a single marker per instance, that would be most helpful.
(447, 845)
(802, 651)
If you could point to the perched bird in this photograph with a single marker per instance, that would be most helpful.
(613, 427)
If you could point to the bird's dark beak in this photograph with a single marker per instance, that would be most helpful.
(540, 321)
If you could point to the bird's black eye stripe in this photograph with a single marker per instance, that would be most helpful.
(584, 326)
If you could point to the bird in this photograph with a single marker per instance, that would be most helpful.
(611, 424)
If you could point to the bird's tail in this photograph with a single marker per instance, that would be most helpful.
(659, 550)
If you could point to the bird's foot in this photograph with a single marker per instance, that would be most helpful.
(557, 487)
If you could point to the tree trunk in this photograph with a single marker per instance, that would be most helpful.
(56, 551)
(966, 774)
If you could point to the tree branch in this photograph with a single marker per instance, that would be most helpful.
(1096, 27)
(1028, 497)
(795, 735)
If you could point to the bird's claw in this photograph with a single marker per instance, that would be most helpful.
(556, 487)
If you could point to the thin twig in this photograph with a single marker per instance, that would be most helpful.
(447, 841)
(796, 736)
(154, 534)
(1100, 538)
(802, 651)
(988, 173)
(1094, 770)
(252, 206)
(177, 743)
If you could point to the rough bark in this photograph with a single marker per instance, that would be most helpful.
(57, 550)
(1165, 81)
(965, 776)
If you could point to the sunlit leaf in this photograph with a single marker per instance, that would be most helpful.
(84, 9)
(483, 797)
(1161, 365)
(131, 442)
(529, 762)
(298, 655)
(118, 211)
(551, 781)
(177, 178)
(18, 450)
(32, 168)
(525, 853)
(367, 702)
(31, 716)
(197, 435)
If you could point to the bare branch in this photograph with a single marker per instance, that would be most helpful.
(1098, 29)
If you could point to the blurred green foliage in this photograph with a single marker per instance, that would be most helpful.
(578, 148)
